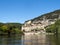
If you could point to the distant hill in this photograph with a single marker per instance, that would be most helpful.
(52, 15)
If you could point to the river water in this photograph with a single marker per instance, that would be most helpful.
(40, 39)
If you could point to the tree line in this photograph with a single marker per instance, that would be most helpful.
(10, 28)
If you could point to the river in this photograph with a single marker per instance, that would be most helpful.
(40, 39)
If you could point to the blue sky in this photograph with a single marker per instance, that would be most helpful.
(22, 10)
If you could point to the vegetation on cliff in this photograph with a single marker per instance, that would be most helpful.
(52, 15)
(54, 28)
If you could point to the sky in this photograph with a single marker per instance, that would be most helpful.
(22, 10)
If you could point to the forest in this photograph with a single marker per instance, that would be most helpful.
(10, 28)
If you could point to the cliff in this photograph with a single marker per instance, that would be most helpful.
(52, 15)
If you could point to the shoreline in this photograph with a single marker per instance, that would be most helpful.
(32, 33)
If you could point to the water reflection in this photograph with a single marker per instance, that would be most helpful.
(53, 39)
(34, 40)
(40, 39)
(12, 40)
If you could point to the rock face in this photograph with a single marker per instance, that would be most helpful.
(39, 23)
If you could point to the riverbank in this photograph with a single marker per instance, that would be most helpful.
(6, 33)
(36, 33)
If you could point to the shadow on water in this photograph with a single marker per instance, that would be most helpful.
(57, 41)
(53, 39)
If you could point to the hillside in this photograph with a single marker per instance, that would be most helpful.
(52, 15)
(41, 22)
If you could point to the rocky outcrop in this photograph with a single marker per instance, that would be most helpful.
(39, 23)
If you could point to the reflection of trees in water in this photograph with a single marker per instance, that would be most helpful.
(57, 41)
(12, 40)
(53, 39)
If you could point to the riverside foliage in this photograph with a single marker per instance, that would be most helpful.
(10, 28)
